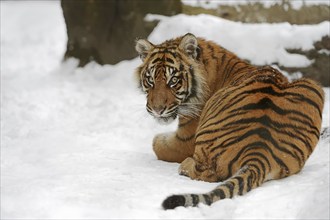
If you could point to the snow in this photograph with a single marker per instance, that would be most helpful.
(76, 142)
(260, 43)
(214, 4)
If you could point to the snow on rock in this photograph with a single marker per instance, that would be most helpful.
(214, 4)
(262, 44)
(76, 142)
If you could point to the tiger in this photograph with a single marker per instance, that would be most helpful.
(238, 124)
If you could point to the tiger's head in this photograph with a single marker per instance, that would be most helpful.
(172, 77)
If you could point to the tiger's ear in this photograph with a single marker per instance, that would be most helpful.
(189, 45)
(143, 47)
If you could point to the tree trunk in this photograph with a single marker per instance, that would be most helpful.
(104, 31)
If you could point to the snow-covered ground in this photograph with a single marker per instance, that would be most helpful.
(76, 142)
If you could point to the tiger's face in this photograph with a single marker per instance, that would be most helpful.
(169, 79)
(166, 87)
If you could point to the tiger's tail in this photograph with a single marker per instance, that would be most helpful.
(247, 178)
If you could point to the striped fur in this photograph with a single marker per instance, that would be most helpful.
(238, 124)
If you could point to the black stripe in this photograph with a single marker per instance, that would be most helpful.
(184, 93)
(240, 137)
(176, 55)
(249, 182)
(240, 69)
(156, 60)
(250, 163)
(199, 51)
(258, 154)
(237, 62)
(299, 97)
(163, 52)
(240, 184)
(219, 66)
(207, 199)
(302, 98)
(257, 175)
(293, 100)
(296, 85)
(171, 111)
(252, 146)
(232, 102)
(185, 139)
(192, 88)
(308, 124)
(267, 79)
(254, 177)
(181, 67)
(173, 54)
(169, 60)
(195, 199)
(204, 129)
(217, 137)
(209, 119)
(225, 96)
(172, 106)
(228, 72)
(230, 187)
(303, 138)
(225, 71)
(267, 103)
(222, 109)
(152, 55)
(266, 121)
(218, 192)
(211, 51)
(302, 155)
(223, 57)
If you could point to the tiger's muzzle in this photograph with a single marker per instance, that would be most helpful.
(163, 114)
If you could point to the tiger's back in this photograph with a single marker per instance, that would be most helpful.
(254, 123)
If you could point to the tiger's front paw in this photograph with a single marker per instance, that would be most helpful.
(160, 142)
(166, 149)
(160, 146)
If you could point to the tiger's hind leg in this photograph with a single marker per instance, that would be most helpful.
(187, 168)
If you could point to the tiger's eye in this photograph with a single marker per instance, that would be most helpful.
(150, 80)
(173, 81)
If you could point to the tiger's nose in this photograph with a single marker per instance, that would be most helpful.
(159, 110)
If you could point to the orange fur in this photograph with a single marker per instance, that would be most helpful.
(238, 123)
